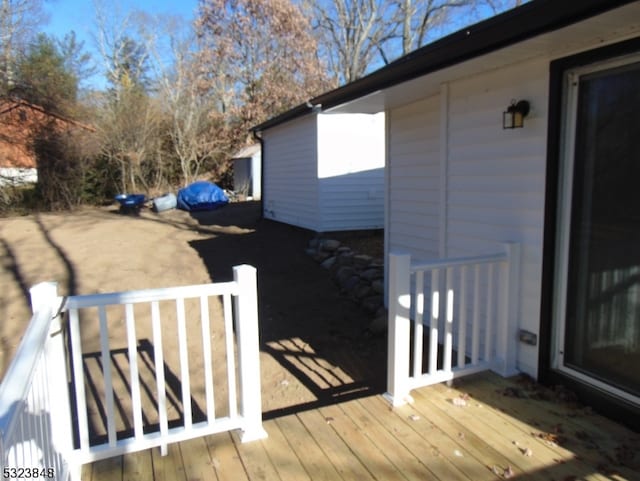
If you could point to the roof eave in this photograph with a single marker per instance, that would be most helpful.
(527, 21)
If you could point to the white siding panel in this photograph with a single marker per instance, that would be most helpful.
(496, 178)
(414, 169)
(351, 171)
(290, 174)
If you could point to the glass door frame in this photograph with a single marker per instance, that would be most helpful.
(570, 95)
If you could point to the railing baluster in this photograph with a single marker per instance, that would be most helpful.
(475, 339)
(231, 364)
(132, 345)
(418, 326)
(435, 318)
(488, 338)
(159, 367)
(448, 333)
(42, 409)
(185, 380)
(106, 372)
(206, 352)
(462, 318)
(29, 425)
(78, 372)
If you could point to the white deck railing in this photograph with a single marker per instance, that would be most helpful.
(469, 322)
(41, 425)
(35, 429)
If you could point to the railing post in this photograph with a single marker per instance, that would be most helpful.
(246, 307)
(507, 319)
(399, 329)
(45, 295)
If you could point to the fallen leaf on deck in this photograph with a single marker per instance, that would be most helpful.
(414, 417)
(508, 473)
(461, 435)
(458, 453)
(328, 420)
(512, 392)
(527, 452)
(458, 401)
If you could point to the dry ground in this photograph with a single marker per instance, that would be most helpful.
(304, 320)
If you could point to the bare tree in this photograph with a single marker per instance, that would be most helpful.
(189, 107)
(352, 33)
(128, 118)
(356, 35)
(19, 20)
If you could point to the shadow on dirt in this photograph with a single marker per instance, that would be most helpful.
(304, 321)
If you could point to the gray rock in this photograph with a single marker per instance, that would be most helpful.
(378, 286)
(372, 303)
(345, 260)
(349, 284)
(329, 244)
(314, 243)
(344, 273)
(329, 262)
(372, 273)
(362, 260)
(344, 249)
(321, 256)
(377, 263)
(362, 290)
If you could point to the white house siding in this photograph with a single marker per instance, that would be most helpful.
(496, 178)
(351, 156)
(17, 176)
(256, 176)
(290, 175)
(414, 170)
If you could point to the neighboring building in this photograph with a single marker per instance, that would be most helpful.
(19, 120)
(247, 166)
(323, 171)
(564, 186)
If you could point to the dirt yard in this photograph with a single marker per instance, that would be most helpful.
(314, 348)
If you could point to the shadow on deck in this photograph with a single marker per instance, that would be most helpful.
(483, 428)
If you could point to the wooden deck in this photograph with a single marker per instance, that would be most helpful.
(483, 428)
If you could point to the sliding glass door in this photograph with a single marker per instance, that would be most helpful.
(597, 306)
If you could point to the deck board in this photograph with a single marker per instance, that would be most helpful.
(315, 462)
(419, 435)
(169, 467)
(365, 451)
(225, 458)
(500, 425)
(198, 465)
(282, 454)
(336, 450)
(138, 466)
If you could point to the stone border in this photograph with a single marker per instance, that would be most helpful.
(359, 276)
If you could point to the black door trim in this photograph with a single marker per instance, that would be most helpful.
(600, 400)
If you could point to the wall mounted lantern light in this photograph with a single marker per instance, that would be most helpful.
(513, 117)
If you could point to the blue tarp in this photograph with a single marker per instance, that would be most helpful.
(201, 195)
